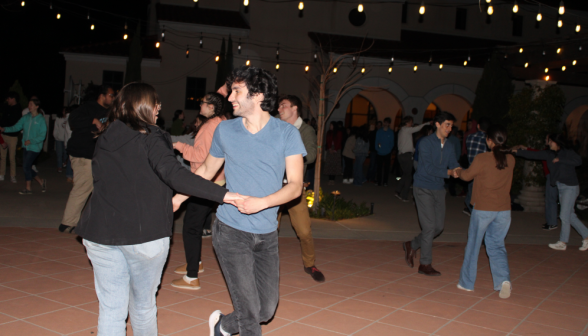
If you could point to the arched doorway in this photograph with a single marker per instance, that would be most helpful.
(455, 105)
(371, 104)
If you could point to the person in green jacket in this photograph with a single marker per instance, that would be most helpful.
(34, 131)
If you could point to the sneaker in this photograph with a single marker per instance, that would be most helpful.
(350, 180)
(185, 283)
(44, 186)
(464, 289)
(345, 181)
(1, 177)
(549, 227)
(505, 290)
(182, 269)
(561, 246)
(25, 192)
(34, 168)
(214, 323)
(315, 273)
(584, 246)
(467, 211)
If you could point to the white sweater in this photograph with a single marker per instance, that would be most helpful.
(405, 144)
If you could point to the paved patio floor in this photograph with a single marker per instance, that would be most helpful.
(46, 288)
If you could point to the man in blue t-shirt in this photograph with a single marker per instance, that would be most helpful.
(384, 144)
(256, 149)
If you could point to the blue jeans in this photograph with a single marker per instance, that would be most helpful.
(28, 158)
(372, 168)
(251, 266)
(68, 169)
(495, 225)
(61, 153)
(358, 176)
(468, 198)
(126, 278)
(567, 201)
(550, 202)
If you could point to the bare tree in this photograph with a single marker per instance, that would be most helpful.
(329, 66)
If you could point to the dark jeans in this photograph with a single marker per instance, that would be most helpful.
(348, 173)
(383, 163)
(28, 158)
(371, 176)
(251, 266)
(431, 211)
(358, 176)
(197, 211)
(405, 161)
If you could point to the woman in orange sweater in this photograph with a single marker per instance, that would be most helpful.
(492, 175)
(198, 209)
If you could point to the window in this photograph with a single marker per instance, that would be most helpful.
(113, 78)
(195, 90)
(461, 18)
(404, 11)
(517, 25)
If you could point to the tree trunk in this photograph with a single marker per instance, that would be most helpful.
(319, 138)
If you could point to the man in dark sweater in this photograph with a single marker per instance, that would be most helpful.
(10, 116)
(83, 122)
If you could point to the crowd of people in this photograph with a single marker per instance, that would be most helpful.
(236, 160)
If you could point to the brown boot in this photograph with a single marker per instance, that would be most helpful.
(428, 270)
(408, 254)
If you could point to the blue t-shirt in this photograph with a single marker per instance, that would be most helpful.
(254, 165)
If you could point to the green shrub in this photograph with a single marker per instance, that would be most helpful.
(343, 209)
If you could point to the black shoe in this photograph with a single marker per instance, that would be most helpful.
(467, 211)
(66, 228)
(549, 227)
(315, 273)
(214, 323)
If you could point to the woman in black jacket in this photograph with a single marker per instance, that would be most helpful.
(128, 221)
(562, 163)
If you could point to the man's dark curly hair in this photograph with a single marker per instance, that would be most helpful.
(257, 81)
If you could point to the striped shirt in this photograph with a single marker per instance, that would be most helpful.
(476, 144)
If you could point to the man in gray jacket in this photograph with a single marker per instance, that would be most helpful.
(289, 108)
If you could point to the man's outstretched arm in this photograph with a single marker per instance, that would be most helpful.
(294, 167)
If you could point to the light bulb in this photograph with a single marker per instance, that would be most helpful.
(546, 70)
(546, 78)
(515, 8)
(156, 44)
(195, 0)
(187, 52)
(22, 3)
(362, 70)
(574, 62)
(539, 16)
(415, 68)
(526, 65)
(301, 5)
(488, 1)
(422, 9)
(306, 68)
(559, 23)
(465, 63)
(248, 62)
(217, 58)
(92, 27)
(578, 28)
(558, 50)
(360, 8)
(334, 70)
(563, 68)
(490, 10)
(277, 66)
(440, 66)
(390, 70)
(562, 9)
(521, 51)
(58, 16)
(245, 3)
(125, 36)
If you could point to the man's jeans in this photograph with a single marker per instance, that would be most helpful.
(550, 202)
(28, 158)
(372, 176)
(405, 160)
(251, 266)
(495, 225)
(358, 175)
(567, 201)
(431, 210)
(126, 278)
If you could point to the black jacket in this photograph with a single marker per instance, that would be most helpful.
(133, 173)
(10, 116)
(563, 171)
(82, 141)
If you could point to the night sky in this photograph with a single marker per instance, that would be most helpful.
(33, 38)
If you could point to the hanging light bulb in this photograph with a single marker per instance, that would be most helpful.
(440, 66)
(465, 63)
(306, 68)
(335, 70)
(574, 62)
(245, 3)
(88, 17)
(562, 9)
(490, 10)
(360, 7)
(362, 70)
(422, 8)
(415, 68)
(559, 23)
(217, 57)
(92, 26)
(389, 70)
(22, 4)
(578, 28)
(195, 0)
(278, 52)
(469, 58)
(188, 51)
(239, 47)
(515, 8)
(539, 16)
(392, 61)
(520, 50)
(315, 57)
(201, 41)
(558, 50)
(546, 78)
(526, 65)
(277, 67)
(156, 44)
(546, 70)
(125, 36)
(301, 5)
(543, 53)
(163, 34)
(58, 16)
(248, 62)
(563, 68)
(580, 48)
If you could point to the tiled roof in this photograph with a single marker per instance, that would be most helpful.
(203, 16)
(117, 48)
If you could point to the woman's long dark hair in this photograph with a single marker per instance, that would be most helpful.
(497, 134)
(133, 106)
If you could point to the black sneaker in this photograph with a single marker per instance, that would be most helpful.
(214, 323)
(467, 211)
(549, 227)
(315, 273)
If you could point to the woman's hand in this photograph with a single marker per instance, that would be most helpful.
(178, 200)
(232, 198)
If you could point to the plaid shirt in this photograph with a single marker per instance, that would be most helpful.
(476, 144)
